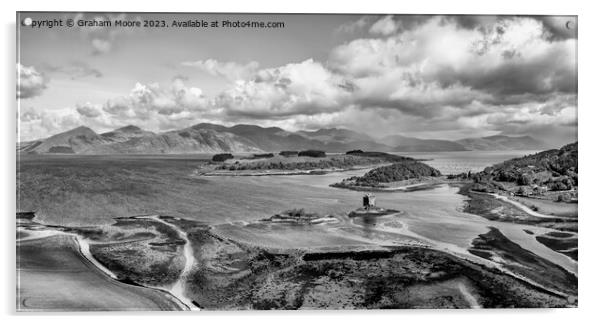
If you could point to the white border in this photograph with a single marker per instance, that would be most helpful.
(589, 136)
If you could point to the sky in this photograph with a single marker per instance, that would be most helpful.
(443, 77)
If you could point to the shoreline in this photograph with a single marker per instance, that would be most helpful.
(83, 248)
(178, 289)
(377, 253)
(526, 209)
(281, 172)
(426, 185)
(86, 258)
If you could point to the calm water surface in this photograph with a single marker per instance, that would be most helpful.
(433, 216)
(458, 162)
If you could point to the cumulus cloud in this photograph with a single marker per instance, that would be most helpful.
(477, 73)
(354, 26)
(385, 26)
(30, 82)
(88, 110)
(151, 106)
(146, 100)
(28, 114)
(419, 75)
(229, 70)
(512, 56)
(304, 88)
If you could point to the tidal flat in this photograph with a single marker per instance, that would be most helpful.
(229, 259)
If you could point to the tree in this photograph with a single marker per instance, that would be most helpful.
(524, 180)
(222, 157)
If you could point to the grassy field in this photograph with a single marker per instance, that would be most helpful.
(484, 205)
(549, 207)
(152, 261)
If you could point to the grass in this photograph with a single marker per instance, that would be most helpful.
(156, 260)
(549, 207)
(495, 209)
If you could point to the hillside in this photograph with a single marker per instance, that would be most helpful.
(410, 144)
(398, 172)
(273, 139)
(409, 169)
(336, 135)
(188, 140)
(267, 139)
(213, 138)
(126, 133)
(555, 168)
(133, 140)
(78, 140)
(501, 143)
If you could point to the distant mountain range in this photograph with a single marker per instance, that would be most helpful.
(212, 138)
(500, 143)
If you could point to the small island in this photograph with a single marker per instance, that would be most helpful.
(295, 163)
(300, 216)
(406, 175)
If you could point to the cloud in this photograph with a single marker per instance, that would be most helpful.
(384, 26)
(560, 27)
(28, 114)
(304, 88)
(354, 26)
(229, 70)
(88, 110)
(510, 61)
(101, 46)
(74, 70)
(451, 76)
(146, 99)
(151, 106)
(30, 83)
(103, 40)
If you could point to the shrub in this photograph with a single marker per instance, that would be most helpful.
(288, 153)
(61, 149)
(222, 157)
(263, 156)
(313, 153)
(524, 180)
(354, 152)
(521, 191)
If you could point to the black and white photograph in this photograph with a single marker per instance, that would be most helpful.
(296, 161)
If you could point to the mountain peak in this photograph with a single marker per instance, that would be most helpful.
(129, 129)
(80, 130)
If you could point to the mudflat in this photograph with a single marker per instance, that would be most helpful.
(53, 275)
